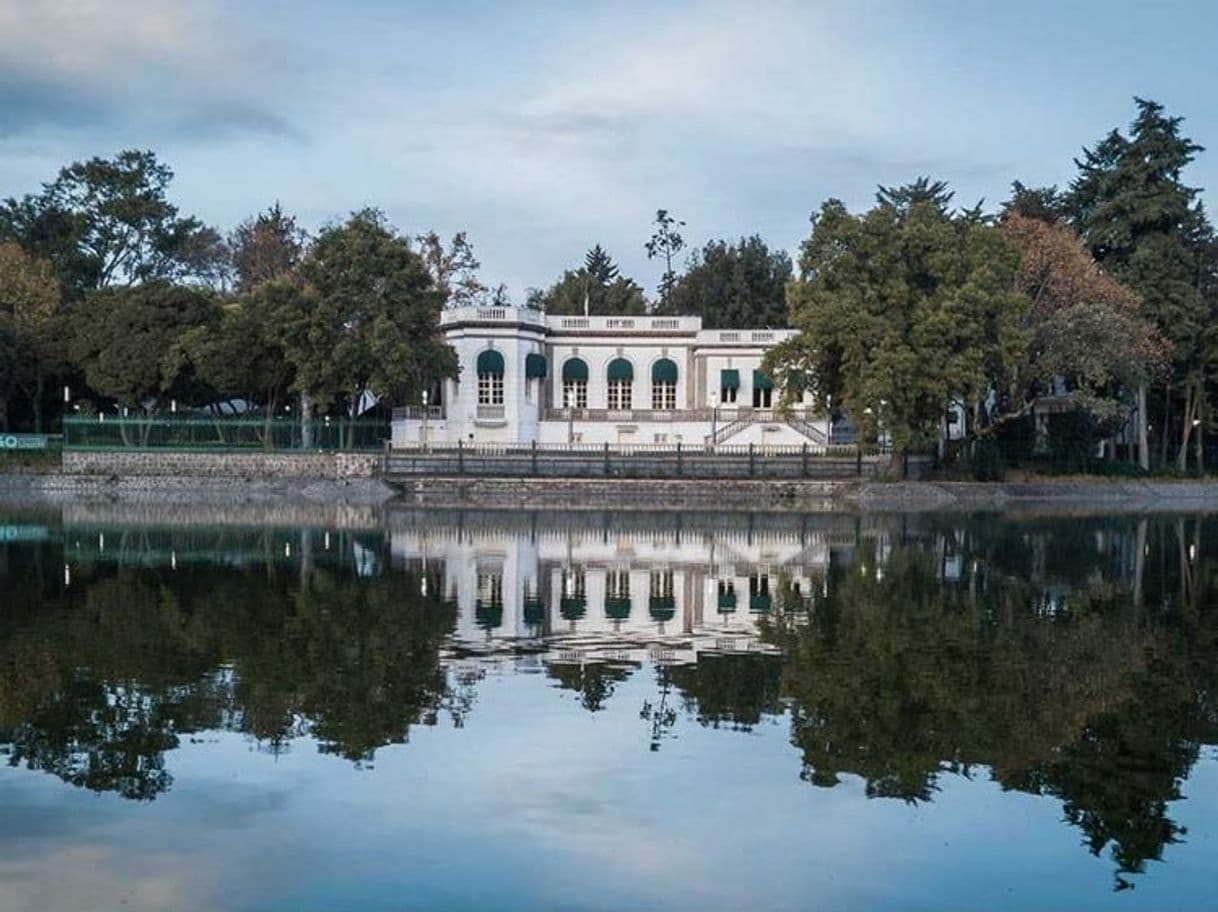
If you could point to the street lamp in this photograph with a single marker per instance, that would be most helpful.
(714, 417)
(424, 429)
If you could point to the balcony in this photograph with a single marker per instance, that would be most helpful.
(419, 413)
(490, 415)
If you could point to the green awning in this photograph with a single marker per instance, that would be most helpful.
(488, 615)
(729, 379)
(762, 381)
(534, 366)
(574, 369)
(572, 609)
(620, 369)
(617, 609)
(663, 609)
(490, 362)
(664, 371)
(534, 610)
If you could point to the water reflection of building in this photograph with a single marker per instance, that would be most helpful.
(621, 594)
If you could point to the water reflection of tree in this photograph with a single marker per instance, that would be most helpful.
(730, 691)
(593, 681)
(1050, 673)
(97, 682)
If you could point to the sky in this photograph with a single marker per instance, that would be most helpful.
(544, 128)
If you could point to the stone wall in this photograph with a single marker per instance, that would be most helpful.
(631, 494)
(222, 465)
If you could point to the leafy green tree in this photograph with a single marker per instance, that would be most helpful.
(599, 286)
(735, 285)
(900, 311)
(1147, 228)
(31, 313)
(666, 243)
(265, 248)
(123, 339)
(368, 319)
(243, 356)
(105, 222)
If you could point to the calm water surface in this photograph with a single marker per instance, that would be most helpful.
(349, 709)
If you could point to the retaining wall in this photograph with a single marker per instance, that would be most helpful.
(222, 465)
(633, 494)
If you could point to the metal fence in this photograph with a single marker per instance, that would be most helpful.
(167, 432)
(645, 461)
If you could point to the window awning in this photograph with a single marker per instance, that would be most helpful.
(662, 609)
(729, 379)
(490, 362)
(617, 609)
(572, 609)
(664, 371)
(620, 369)
(574, 369)
(534, 366)
(762, 381)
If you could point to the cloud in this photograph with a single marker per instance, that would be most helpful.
(148, 64)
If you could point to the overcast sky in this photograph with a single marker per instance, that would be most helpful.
(545, 128)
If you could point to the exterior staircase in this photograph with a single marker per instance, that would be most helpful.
(729, 430)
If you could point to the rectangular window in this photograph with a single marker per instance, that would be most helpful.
(663, 396)
(573, 583)
(620, 395)
(728, 394)
(575, 394)
(617, 584)
(661, 584)
(490, 588)
(762, 398)
(490, 389)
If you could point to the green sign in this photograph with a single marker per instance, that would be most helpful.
(23, 441)
(24, 533)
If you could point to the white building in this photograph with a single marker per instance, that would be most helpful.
(527, 377)
(589, 594)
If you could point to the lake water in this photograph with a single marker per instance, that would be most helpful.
(352, 709)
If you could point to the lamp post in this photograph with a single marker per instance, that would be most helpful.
(714, 418)
(424, 429)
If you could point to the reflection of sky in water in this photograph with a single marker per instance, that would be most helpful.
(537, 803)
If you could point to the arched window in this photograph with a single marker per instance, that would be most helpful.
(575, 384)
(664, 385)
(620, 375)
(490, 377)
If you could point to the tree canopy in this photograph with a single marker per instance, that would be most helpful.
(734, 285)
(900, 310)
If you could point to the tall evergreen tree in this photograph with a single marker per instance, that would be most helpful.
(1147, 227)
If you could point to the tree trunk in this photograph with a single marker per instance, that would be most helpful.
(306, 420)
(896, 465)
(1143, 439)
(1199, 439)
(1186, 426)
(39, 389)
(1165, 429)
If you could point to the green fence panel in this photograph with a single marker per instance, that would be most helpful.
(161, 432)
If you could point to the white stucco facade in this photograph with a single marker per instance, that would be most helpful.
(526, 377)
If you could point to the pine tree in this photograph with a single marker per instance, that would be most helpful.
(1147, 228)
